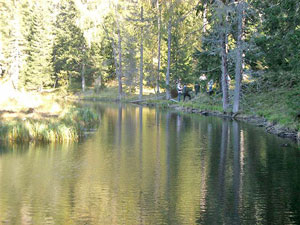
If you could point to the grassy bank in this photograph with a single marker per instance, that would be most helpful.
(267, 98)
(68, 127)
(41, 116)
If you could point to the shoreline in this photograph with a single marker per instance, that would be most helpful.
(254, 119)
(258, 121)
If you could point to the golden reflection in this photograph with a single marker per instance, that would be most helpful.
(142, 166)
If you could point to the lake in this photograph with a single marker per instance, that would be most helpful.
(148, 166)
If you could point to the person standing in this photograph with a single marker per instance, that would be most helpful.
(186, 92)
(179, 90)
(197, 88)
(210, 87)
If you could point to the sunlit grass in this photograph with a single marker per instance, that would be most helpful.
(41, 117)
(70, 127)
(111, 94)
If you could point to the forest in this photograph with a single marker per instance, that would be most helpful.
(248, 48)
(94, 128)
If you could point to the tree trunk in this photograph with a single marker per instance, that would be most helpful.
(239, 59)
(15, 67)
(120, 74)
(15, 70)
(224, 65)
(168, 96)
(83, 77)
(224, 71)
(115, 60)
(159, 43)
(141, 58)
(204, 18)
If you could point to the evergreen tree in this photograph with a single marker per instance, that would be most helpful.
(280, 34)
(38, 71)
(70, 52)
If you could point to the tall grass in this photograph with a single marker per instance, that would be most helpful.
(67, 128)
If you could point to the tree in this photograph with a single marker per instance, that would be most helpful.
(279, 33)
(239, 55)
(12, 39)
(158, 44)
(216, 43)
(38, 71)
(69, 51)
(141, 55)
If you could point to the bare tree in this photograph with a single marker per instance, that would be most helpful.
(223, 16)
(15, 66)
(239, 57)
(159, 44)
(141, 57)
(120, 74)
(168, 94)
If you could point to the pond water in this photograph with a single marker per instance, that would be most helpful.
(146, 166)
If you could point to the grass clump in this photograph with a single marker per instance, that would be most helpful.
(67, 128)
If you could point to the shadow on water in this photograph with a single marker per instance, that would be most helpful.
(146, 166)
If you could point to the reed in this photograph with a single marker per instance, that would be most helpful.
(67, 128)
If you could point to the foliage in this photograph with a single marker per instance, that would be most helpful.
(38, 69)
(70, 44)
(279, 38)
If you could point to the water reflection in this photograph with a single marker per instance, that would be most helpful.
(145, 166)
(236, 172)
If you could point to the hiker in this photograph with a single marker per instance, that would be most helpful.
(186, 92)
(203, 79)
(179, 90)
(210, 87)
(197, 88)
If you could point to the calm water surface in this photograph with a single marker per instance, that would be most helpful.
(145, 166)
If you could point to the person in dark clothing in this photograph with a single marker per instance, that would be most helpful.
(197, 88)
(179, 90)
(186, 92)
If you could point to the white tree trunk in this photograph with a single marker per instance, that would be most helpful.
(141, 58)
(239, 59)
(15, 67)
(204, 20)
(83, 76)
(168, 95)
(120, 74)
(159, 44)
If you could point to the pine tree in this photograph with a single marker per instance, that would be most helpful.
(38, 71)
(69, 52)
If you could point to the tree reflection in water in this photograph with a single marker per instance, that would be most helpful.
(146, 166)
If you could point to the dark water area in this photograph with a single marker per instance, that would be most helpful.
(146, 166)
